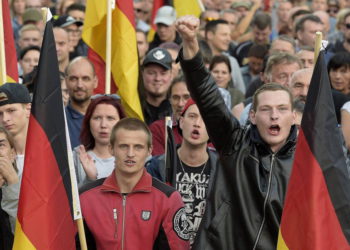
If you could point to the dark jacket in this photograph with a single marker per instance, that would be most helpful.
(245, 204)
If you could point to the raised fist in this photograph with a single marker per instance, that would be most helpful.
(187, 26)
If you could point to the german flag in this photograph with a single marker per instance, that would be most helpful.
(316, 213)
(125, 63)
(10, 49)
(45, 211)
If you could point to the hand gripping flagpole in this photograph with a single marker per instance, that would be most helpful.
(110, 7)
(2, 49)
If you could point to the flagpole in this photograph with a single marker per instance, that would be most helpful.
(201, 6)
(110, 6)
(2, 49)
(318, 42)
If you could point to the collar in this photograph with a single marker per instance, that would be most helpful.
(143, 185)
(75, 114)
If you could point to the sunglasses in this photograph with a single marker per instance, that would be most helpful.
(114, 96)
(333, 10)
(347, 25)
(208, 19)
(141, 11)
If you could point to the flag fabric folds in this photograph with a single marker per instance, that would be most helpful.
(317, 206)
(45, 213)
(170, 154)
(125, 63)
(10, 49)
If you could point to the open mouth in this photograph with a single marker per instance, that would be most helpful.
(195, 134)
(274, 129)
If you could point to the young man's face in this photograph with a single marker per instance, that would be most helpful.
(15, 117)
(193, 128)
(261, 36)
(165, 32)
(220, 39)
(273, 117)
(156, 80)
(130, 150)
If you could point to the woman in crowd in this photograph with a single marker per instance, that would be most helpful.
(339, 72)
(220, 69)
(93, 159)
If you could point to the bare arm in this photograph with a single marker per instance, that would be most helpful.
(245, 22)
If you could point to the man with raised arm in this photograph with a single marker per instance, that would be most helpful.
(245, 203)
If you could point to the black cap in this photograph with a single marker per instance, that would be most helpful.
(14, 93)
(158, 56)
(65, 20)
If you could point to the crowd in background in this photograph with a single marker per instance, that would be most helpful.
(244, 45)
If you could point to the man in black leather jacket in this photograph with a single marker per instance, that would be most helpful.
(246, 201)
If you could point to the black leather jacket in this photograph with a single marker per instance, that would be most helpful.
(246, 201)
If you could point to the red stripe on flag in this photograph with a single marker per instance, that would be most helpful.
(128, 10)
(309, 220)
(43, 196)
(100, 69)
(10, 49)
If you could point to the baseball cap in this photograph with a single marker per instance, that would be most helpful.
(14, 93)
(158, 56)
(65, 20)
(241, 4)
(165, 15)
(188, 104)
(31, 15)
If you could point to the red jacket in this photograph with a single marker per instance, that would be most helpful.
(152, 216)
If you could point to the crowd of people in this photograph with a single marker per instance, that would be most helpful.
(234, 81)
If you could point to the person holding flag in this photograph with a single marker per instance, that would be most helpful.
(245, 203)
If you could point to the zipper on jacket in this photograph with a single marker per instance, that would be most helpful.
(124, 205)
(265, 203)
(115, 217)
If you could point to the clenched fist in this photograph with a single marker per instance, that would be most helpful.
(187, 26)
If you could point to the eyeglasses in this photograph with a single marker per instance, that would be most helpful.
(114, 96)
(347, 25)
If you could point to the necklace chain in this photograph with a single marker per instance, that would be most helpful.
(183, 169)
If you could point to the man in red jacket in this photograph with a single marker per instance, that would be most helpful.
(130, 209)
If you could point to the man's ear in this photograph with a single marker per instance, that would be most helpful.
(28, 108)
(181, 121)
(252, 117)
(209, 35)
